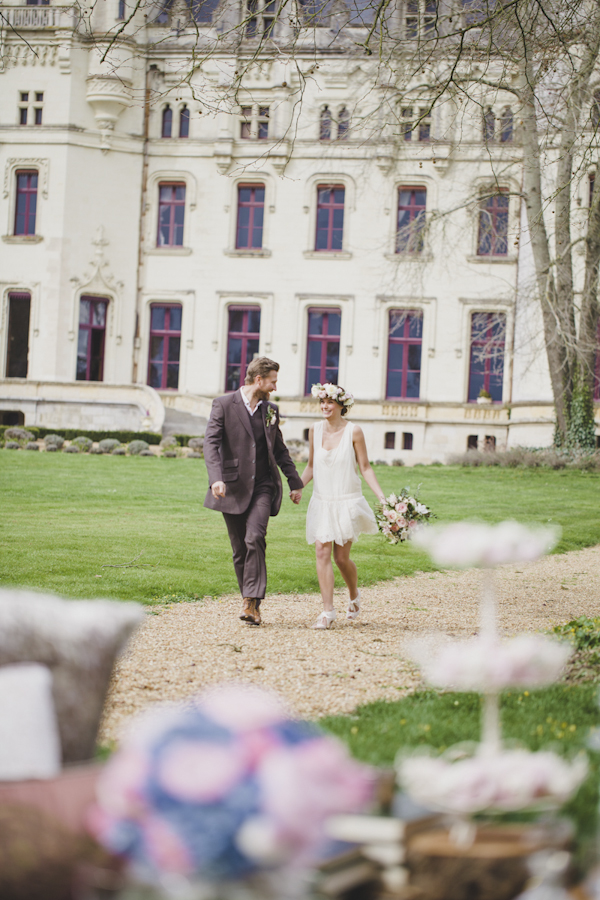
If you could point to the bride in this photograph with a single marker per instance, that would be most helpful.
(337, 513)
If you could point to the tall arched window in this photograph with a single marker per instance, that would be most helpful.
(343, 124)
(167, 122)
(595, 110)
(184, 122)
(325, 125)
(506, 125)
(489, 125)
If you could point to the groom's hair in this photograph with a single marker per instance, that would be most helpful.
(262, 365)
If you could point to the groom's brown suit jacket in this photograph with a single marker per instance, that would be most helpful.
(230, 455)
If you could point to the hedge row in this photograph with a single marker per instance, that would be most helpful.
(124, 437)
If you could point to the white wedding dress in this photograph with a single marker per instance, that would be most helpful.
(337, 510)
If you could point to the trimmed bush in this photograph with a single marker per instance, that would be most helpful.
(137, 447)
(147, 453)
(18, 434)
(72, 448)
(123, 437)
(119, 451)
(12, 445)
(96, 451)
(52, 448)
(196, 443)
(108, 445)
(56, 440)
(194, 455)
(84, 443)
(171, 454)
(530, 458)
(398, 462)
(31, 445)
(169, 441)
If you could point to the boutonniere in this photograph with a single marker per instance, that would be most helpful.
(271, 416)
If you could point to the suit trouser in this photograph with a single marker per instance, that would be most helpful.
(247, 535)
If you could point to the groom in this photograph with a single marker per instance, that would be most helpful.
(242, 448)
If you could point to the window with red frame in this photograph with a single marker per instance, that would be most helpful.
(412, 202)
(242, 343)
(250, 216)
(165, 346)
(330, 217)
(26, 202)
(492, 239)
(486, 362)
(171, 211)
(323, 349)
(90, 343)
(404, 354)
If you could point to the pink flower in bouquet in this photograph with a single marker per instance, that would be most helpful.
(391, 514)
(200, 773)
(165, 847)
(414, 524)
(395, 527)
(303, 784)
(243, 707)
(401, 507)
(401, 521)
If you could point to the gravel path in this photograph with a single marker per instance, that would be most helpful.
(181, 648)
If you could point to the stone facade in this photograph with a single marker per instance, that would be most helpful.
(100, 160)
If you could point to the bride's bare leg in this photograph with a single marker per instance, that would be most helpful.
(325, 573)
(347, 568)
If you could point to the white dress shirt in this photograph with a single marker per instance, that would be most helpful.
(247, 404)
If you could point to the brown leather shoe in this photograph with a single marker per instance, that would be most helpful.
(250, 613)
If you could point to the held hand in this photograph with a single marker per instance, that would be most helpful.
(218, 489)
(296, 496)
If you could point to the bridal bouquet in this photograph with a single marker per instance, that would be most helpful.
(399, 515)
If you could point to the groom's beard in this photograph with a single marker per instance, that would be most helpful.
(263, 395)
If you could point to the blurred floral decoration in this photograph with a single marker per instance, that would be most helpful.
(486, 777)
(224, 788)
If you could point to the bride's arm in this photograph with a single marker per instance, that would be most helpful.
(308, 472)
(360, 448)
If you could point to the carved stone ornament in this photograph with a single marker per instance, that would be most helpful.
(98, 280)
(107, 96)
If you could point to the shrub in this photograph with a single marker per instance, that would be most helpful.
(18, 434)
(137, 447)
(11, 445)
(84, 443)
(196, 443)
(96, 451)
(56, 440)
(398, 462)
(122, 436)
(147, 453)
(72, 448)
(380, 462)
(169, 441)
(52, 448)
(108, 445)
(31, 445)
(194, 455)
(171, 454)
(121, 450)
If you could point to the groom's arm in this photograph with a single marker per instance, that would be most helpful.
(213, 440)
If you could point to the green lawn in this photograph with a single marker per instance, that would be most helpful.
(64, 516)
(558, 718)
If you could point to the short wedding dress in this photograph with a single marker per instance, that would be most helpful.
(337, 510)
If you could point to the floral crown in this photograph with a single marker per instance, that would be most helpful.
(334, 392)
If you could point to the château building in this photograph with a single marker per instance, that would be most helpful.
(175, 203)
